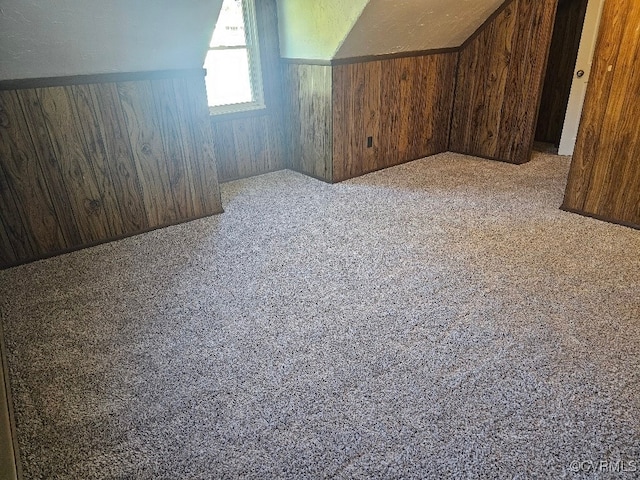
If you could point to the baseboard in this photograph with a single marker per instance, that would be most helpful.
(602, 218)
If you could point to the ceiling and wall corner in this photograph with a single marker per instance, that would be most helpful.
(76, 37)
(315, 29)
(395, 26)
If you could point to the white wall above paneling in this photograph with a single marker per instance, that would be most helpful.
(314, 29)
(392, 26)
(75, 37)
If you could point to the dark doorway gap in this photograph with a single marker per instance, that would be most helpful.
(560, 70)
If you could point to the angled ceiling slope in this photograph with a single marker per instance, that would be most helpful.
(334, 29)
(76, 37)
(394, 26)
(315, 29)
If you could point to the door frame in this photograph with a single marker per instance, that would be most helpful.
(579, 85)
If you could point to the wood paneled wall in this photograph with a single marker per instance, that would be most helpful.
(309, 117)
(85, 163)
(248, 146)
(499, 84)
(403, 104)
(481, 100)
(604, 179)
(252, 143)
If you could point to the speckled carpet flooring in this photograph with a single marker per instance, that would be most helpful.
(440, 319)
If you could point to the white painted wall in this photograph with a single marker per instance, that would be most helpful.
(579, 85)
(392, 26)
(51, 38)
(314, 29)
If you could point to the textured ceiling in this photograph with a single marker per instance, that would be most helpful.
(392, 26)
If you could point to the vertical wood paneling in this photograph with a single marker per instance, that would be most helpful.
(145, 136)
(310, 117)
(120, 156)
(177, 158)
(7, 254)
(88, 123)
(192, 155)
(77, 171)
(19, 239)
(249, 146)
(51, 165)
(82, 164)
(489, 59)
(230, 162)
(404, 104)
(196, 119)
(499, 84)
(604, 179)
(357, 114)
(23, 189)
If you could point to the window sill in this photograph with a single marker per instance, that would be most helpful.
(221, 115)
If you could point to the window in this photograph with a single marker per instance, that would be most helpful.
(234, 79)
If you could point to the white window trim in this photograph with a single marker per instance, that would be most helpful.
(252, 45)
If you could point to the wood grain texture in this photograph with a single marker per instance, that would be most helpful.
(145, 135)
(7, 254)
(195, 120)
(249, 146)
(83, 164)
(87, 117)
(499, 83)
(51, 165)
(403, 104)
(560, 69)
(85, 200)
(604, 179)
(112, 126)
(177, 154)
(309, 116)
(252, 143)
(17, 237)
(22, 189)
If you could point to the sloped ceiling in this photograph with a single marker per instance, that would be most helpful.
(391, 26)
(328, 29)
(314, 29)
(73, 37)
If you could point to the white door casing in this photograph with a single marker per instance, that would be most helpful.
(579, 84)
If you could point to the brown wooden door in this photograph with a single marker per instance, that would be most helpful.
(604, 180)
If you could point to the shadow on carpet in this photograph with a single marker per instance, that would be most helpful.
(440, 319)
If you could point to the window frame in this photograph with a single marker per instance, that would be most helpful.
(252, 46)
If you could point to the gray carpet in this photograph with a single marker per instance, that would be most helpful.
(440, 319)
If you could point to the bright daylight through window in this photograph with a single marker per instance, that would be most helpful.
(234, 80)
